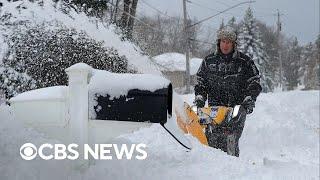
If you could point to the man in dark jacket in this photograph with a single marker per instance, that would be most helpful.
(228, 78)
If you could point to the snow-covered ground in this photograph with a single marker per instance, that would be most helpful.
(280, 141)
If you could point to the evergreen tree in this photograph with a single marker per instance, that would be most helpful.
(221, 25)
(250, 44)
(96, 8)
(232, 23)
(269, 38)
(292, 65)
(312, 65)
(306, 66)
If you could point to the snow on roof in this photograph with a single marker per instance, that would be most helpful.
(104, 82)
(177, 62)
(33, 13)
(55, 92)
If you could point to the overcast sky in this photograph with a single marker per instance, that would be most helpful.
(300, 17)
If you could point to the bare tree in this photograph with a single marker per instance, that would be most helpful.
(126, 11)
(131, 19)
(128, 16)
(164, 34)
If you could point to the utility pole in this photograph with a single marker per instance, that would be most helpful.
(187, 46)
(279, 45)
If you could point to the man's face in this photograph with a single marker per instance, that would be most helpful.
(226, 46)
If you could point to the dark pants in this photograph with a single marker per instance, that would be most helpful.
(226, 139)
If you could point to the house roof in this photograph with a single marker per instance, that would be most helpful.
(176, 62)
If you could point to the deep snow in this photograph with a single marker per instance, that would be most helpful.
(280, 141)
(55, 92)
(115, 85)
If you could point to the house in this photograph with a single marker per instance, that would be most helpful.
(173, 67)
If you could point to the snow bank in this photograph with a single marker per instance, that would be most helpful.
(12, 136)
(36, 14)
(281, 138)
(177, 62)
(55, 92)
(280, 141)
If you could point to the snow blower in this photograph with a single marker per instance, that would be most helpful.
(213, 126)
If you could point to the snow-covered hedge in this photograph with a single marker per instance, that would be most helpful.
(37, 56)
(34, 52)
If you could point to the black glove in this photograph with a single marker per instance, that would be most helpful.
(199, 101)
(248, 103)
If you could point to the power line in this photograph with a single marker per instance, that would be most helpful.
(205, 7)
(203, 24)
(130, 8)
(156, 9)
(223, 3)
(147, 25)
(220, 12)
(259, 13)
(200, 5)
(205, 42)
(172, 16)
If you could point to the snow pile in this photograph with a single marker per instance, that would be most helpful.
(177, 62)
(104, 82)
(281, 138)
(55, 92)
(276, 144)
(280, 141)
(34, 13)
(12, 136)
(80, 67)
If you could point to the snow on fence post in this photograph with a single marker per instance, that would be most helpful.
(78, 75)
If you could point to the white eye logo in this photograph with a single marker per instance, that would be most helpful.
(28, 151)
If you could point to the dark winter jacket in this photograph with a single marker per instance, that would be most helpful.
(227, 79)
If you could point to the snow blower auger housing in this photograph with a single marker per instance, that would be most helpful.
(211, 124)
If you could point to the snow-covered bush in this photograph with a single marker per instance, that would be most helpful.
(37, 56)
(13, 82)
(38, 38)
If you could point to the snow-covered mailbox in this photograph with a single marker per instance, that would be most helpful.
(96, 105)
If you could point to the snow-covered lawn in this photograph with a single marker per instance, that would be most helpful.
(280, 141)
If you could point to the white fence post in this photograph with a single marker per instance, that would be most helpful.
(78, 75)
